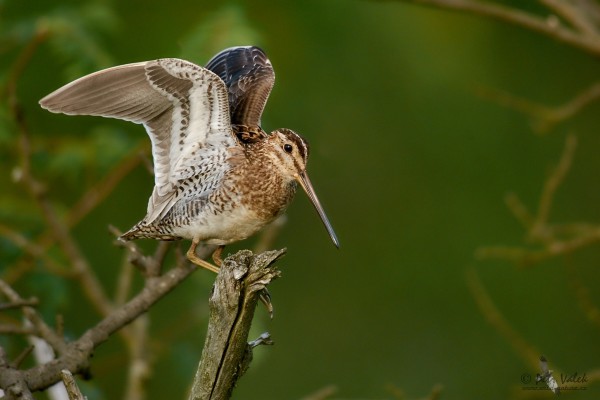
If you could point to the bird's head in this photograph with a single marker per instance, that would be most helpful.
(290, 153)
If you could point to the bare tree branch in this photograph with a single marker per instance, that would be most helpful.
(573, 15)
(18, 304)
(97, 193)
(42, 354)
(148, 265)
(548, 26)
(13, 384)
(67, 243)
(21, 357)
(11, 329)
(226, 353)
(489, 310)
(76, 355)
(139, 360)
(34, 250)
(555, 240)
(544, 117)
(31, 314)
(522, 348)
(71, 386)
(591, 8)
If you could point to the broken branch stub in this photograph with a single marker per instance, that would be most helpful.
(242, 278)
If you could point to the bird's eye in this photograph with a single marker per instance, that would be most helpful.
(288, 148)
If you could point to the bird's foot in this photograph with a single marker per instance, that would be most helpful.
(216, 256)
(264, 295)
(193, 257)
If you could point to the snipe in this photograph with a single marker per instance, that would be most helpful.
(219, 177)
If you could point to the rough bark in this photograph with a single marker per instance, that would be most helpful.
(242, 280)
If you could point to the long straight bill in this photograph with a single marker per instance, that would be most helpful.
(307, 186)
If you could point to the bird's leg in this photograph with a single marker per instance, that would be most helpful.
(264, 295)
(216, 256)
(193, 257)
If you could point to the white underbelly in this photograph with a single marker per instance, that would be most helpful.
(222, 228)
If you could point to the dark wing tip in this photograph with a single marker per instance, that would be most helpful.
(249, 76)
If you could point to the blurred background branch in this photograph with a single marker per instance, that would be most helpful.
(555, 239)
(544, 118)
(566, 22)
(577, 24)
(74, 355)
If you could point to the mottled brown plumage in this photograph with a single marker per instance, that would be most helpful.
(219, 177)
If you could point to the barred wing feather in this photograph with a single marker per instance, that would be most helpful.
(183, 107)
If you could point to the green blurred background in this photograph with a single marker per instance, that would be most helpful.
(412, 165)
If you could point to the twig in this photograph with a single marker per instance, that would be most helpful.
(582, 293)
(572, 15)
(136, 334)
(81, 267)
(544, 117)
(590, 8)
(491, 313)
(43, 354)
(323, 393)
(519, 210)
(147, 265)
(34, 251)
(549, 27)
(159, 257)
(527, 257)
(556, 239)
(139, 361)
(19, 66)
(10, 329)
(13, 384)
(18, 304)
(88, 201)
(76, 355)
(124, 281)
(42, 329)
(226, 353)
(97, 193)
(85, 275)
(522, 348)
(71, 386)
(21, 357)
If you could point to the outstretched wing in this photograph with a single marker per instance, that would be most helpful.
(183, 107)
(249, 77)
